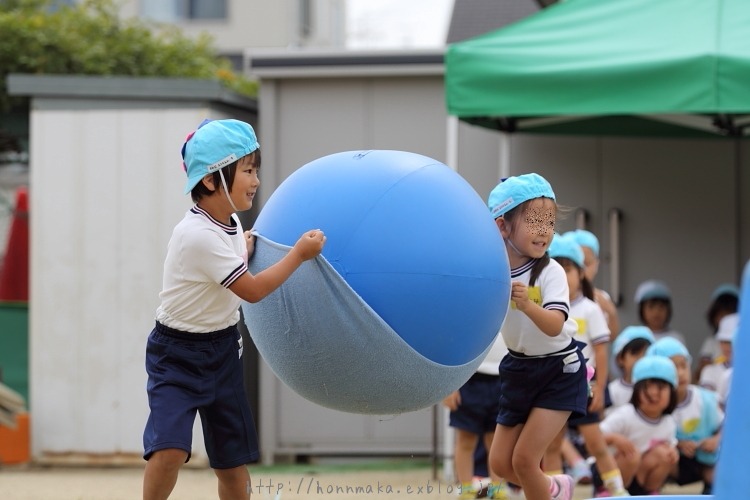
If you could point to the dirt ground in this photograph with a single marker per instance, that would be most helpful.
(269, 483)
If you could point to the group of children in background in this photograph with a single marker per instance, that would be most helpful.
(642, 421)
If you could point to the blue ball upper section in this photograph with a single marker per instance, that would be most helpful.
(411, 237)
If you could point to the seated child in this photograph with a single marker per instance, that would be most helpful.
(628, 347)
(642, 432)
(698, 418)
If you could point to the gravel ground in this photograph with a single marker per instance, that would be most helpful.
(269, 483)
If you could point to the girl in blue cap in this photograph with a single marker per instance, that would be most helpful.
(593, 332)
(194, 353)
(590, 246)
(543, 376)
(654, 300)
(643, 431)
(627, 349)
(698, 417)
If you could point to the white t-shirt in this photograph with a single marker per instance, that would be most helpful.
(204, 257)
(689, 413)
(710, 348)
(620, 393)
(711, 375)
(592, 326)
(723, 388)
(551, 292)
(643, 432)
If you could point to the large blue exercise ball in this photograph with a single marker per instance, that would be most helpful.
(408, 296)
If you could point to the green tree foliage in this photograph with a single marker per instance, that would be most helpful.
(90, 39)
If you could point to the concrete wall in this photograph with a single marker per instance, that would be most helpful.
(106, 190)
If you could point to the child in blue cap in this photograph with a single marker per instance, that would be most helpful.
(643, 432)
(698, 417)
(627, 349)
(654, 300)
(543, 376)
(593, 332)
(590, 246)
(194, 352)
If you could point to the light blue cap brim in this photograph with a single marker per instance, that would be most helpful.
(586, 239)
(515, 190)
(630, 334)
(652, 289)
(668, 347)
(215, 145)
(565, 246)
(725, 289)
(655, 367)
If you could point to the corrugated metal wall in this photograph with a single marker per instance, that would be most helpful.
(106, 191)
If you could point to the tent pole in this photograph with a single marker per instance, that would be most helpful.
(451, 159)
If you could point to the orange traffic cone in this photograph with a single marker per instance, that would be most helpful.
(14, 272)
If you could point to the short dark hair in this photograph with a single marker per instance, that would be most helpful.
(726, 303)
(587, 289)
(640, 386)
(666, 302)
(635, 346)
(200, 190)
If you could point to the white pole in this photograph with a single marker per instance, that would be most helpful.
(504, 155)
(451, 159)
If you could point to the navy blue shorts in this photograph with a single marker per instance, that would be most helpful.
(591, 417)
(690, 470)
(555, 382)
(480, 402)
(199, 372)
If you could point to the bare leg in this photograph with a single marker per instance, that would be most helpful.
(161, 471)
(466, 443)
(541, 428)
(488, 437)
(501, 452)
(234, 484)
(552, 461)
(654, 469)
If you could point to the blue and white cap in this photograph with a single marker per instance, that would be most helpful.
(725, 289)
(652, 289)
(515, 190)
(586, 239)
(668, 347)
(655, 367)
(565, 246)
(213, 146)
(629, 334)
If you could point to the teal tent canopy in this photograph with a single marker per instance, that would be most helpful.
(624, 67)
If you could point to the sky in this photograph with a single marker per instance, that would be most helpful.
(397, 24)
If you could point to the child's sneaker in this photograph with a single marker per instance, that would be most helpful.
(467, 492)
(567, 486)
(497, 491)
(581, 473)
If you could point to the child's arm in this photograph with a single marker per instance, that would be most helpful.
(597, 398)
(710, 444)
(452, 401)
(549, 321)
(253, 288)
(623, 445)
